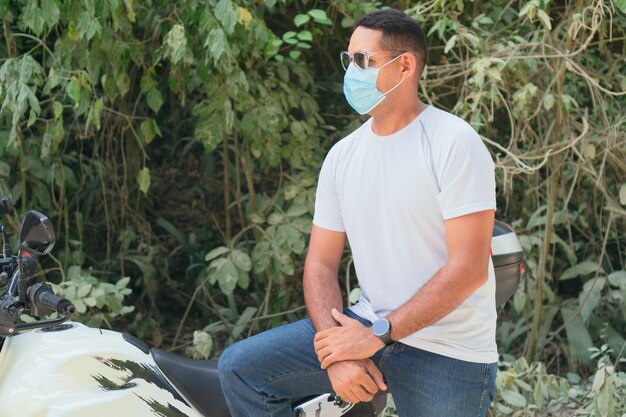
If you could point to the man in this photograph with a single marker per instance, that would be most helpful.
(413, 190)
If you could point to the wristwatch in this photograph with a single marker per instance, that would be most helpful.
(382, 330)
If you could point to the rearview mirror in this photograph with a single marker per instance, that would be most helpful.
(37, 235)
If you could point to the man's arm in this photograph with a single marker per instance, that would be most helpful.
(321, 285)
(468, 239)
(353, 381)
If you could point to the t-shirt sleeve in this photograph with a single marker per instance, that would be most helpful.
(466, 176)
(327, 207)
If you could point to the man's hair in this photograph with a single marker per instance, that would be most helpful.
(399, 33)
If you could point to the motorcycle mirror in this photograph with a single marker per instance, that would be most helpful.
(36, 235)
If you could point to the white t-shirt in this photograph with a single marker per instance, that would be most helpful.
(391, 195)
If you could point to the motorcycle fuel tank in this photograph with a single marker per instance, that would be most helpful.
(78, 371)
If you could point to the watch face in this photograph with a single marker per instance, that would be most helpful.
(380, 327)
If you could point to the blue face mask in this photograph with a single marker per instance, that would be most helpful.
(359, 87)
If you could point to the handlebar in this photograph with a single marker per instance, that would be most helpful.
(44, 302)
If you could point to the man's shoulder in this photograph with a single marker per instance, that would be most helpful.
(446, 123)
(339, 148)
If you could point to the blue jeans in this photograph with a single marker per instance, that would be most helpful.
(260, 374)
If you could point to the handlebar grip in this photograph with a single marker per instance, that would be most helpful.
(43, 301)
(50, 300)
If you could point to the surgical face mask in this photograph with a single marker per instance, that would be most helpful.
(359, 87)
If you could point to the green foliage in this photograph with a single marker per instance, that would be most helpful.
(96, 302)
(178, 144)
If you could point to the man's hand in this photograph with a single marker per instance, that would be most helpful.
(356, 381)
(350, 341)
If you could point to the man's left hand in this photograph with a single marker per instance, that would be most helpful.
(349, 341)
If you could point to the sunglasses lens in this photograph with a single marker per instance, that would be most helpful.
(360, 59)
(345, 60)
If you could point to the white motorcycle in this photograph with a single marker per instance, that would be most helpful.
(56, 368)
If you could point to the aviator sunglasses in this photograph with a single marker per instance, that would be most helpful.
(361, 58)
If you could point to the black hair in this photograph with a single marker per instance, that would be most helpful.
(400, 32)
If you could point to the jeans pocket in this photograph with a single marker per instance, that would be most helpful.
(489, 389)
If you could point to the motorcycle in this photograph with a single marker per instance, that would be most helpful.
(58, 368)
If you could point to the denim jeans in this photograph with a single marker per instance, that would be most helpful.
(259, 375)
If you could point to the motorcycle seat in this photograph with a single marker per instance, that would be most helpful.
(197, 380)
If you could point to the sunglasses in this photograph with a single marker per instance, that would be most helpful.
(361, 58)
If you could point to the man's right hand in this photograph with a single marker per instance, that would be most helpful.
(356, 381)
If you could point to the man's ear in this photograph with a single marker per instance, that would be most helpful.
(409, 65)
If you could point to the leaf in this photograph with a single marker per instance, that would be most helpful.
(284, 263)
(87, 25)
(175, 43)
(297, 210)
(578, 337)
(216, 42)
(227, 276)
(320, 16)
(545, 19)
(202, 344)
(589, 151)
(34, 18)
(548, 101)
(289, 236)
(241, 260)
(5, 170)
(216, 252)
(122, 283)
(513, 398)
(305, 35)
(354, 296)
(51, 12)
(57, 109)
(622, 193)
(93, 117)
(245, 17)
(73, 90)
(583, 268)
(243, 279)
(226, 15)
(450, 44)
(301, 19)
(149, 129)
(589, 297)
(244, 319)
(618, 279)
(275, 218)
(621, 4)
(261, 256)
(154, 99)
(143, 179)
(294, 55)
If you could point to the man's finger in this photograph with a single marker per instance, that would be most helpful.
(350, 397)
(330, 359)
(323, 353)
(341, 318)
(376, 375)
(362, 394)
(321, 335)
(368, 384)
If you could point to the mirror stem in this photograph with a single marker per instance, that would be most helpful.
(6, 249)
(27, 269)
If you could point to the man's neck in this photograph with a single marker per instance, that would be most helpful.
(393, 118)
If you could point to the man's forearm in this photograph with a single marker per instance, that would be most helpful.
(444, 292)
(321, 294)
